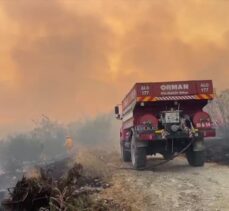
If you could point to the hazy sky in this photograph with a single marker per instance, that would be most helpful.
(72, 59)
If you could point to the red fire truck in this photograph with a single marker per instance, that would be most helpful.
(165, 118)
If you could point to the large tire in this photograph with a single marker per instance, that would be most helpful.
(195, 158)
(138, 155)
(126, 156)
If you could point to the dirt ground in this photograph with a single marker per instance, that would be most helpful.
(173, 186)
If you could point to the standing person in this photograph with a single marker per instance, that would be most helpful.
(69, 144)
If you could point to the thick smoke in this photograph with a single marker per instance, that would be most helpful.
(43, 143)
(46, 142)
(101, 132)
(75, 59)
(217, 149)
(219, 110)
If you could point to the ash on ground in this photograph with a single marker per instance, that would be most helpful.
(59, 187)
(217, 150)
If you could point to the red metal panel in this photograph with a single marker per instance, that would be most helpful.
(130, 98)
(177, 88)
(166, 89)
(150, 91)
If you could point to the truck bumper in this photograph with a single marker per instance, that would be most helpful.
(157, 137)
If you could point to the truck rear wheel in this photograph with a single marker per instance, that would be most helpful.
(195, 158)
(126, 156)
(138, 155)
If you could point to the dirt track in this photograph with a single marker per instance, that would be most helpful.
(173, 186)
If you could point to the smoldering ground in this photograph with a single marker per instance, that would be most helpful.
(47, 141)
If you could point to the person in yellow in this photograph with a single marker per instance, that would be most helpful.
(69, 144)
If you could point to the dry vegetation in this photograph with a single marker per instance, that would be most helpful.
(75, 190)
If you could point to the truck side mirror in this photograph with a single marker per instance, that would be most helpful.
(117, 114)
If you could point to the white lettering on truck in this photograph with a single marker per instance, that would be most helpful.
(204, 87)
(145, 90)
(175, 87)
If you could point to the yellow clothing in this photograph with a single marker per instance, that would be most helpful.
(69, 143)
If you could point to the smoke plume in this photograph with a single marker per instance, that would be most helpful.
(76, 59)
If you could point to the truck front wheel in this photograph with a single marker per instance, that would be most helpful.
(195, 158)
(126, 156)
(138, 155)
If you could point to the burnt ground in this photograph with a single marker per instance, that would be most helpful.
(172, 186)
(61, 185)
(217, 150)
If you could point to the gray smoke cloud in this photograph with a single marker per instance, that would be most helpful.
(46, 142)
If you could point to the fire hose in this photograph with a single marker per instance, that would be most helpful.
(176, 155)
(158, 164)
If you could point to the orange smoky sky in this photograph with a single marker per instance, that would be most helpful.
(72, 59)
